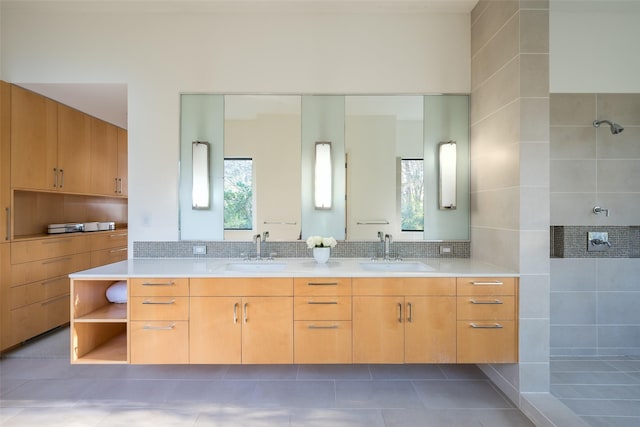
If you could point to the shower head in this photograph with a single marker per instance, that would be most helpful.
(615, 128)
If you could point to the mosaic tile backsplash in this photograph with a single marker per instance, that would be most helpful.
(571, 242)
(298, 249)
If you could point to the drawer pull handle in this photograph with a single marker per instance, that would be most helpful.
(8, 224)
(410, 317)
(53, 261)
(244, 309)
(322, 302)
(490, 283)
(235, 313)
(158, 284)
(54, 241)
(495, 301)
(323, 327)
(112, 251)
(159, 328)
(51, 301)
(400, 312)
(322, 283)
(50, 281)
(173, 301)
(491, 326)
(117, 235)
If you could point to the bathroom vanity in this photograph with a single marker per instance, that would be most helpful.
(220, 311)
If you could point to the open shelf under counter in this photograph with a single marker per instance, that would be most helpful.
(99, 343)
(112, 351)
(108, 313)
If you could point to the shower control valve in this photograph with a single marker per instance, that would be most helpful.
(598, 210)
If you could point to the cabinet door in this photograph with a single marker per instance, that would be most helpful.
(378, 329)
(159, 342)
(34, 135)
(104, 158)
(430, 330)
(5, 160)
(123, 163)
(267, 330)
(74, 150)
(215, 330)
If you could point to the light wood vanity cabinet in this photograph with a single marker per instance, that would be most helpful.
(404, 320)
(108, 159)
(487, 320)
(241, 320)
(159, 326)
(322, 320)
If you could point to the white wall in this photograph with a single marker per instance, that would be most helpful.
(594, 46)
(161, 49)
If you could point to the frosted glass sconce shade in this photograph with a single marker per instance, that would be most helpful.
(448, 172)
(323, 176)
(200, 169)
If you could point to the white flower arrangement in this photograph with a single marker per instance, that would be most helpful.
(321, 242)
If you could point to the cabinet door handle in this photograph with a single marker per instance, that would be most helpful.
(322, 327)
(119, 185)
(8, 212)
(61, 178)
(235, 313)
(486, 326)
(53, 261)
(50, 281)
(112, 251)
(159, 328)
(158, 284)
(489, 283)
(173, 301)
(322, 283)
(410, 309)
(244, 309)
(55, 177)
(494, 301)
(115, 185)
(322, 302)
(400, 312)
(111, 236)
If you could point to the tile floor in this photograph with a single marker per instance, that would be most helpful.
(38, 387)
(603, 391)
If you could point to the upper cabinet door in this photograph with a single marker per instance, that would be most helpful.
(74, 150)
(123, 165)
(34, 133)
(104, 158)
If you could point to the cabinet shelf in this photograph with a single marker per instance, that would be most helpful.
(111, 351)
(111, 313)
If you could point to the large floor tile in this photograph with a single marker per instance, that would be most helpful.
(625, 365)
(213, 393)
(406, 372)
(376, 394)
(596, 391)
(34, 368)
(187, 372)
(336, 418)
(128, 392)
(293, 394)
(261, 372)
(230, 417)
(581, 366)
(462, 372)
(151, 417)
(604, 407)
(460, 394)
(334, 372)
(613, 421)
(457, 418)
(56, 417)
(591, 378)
(49, 390)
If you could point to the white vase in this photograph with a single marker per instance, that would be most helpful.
(321, 254)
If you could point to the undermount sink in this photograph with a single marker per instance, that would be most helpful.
(395, 266)
(256, 266)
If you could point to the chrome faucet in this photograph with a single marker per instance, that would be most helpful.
(387, 246)
(257, 239)
(381, 238)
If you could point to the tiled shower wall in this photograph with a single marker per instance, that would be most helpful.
(595, 297)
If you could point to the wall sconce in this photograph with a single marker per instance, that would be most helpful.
(323, 176)
(200, 175)
(448, 173)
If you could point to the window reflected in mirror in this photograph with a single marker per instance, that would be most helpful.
(238, 194)
(412, 194)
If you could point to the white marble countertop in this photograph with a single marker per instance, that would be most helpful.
(292, 267)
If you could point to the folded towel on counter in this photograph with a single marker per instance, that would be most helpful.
(117, 292)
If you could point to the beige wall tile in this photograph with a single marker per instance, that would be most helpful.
(573, 176)
(534, 251)
(573, 208)
(499, 90)
(479, 9)
(534, 340)
(534, 377)
(495, 168)
(501, 49)
(489, 21)
(534, 164)
(622, 108)
(573, 142)
(534, 31)
(534, 75)
(619, 176)
(534, 119)
(625, 145)
(534, 294)
(573, 274)
(497, 246)
(534, 4)
(572, 109)
(534, 208)
(623, 208)
(497, 208)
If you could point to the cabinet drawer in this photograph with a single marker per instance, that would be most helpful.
(108, 240)
(321, 286)
(159, 308)
(41, 270)
(34, 319)
(30, 293)
(159, 287)
(34, 250)
(246, 286)
(486, 308)
(487, 342)
(108, 256)
(159, 342)
(486, 285)
(322, 308)
(381, 286)
(322, 342)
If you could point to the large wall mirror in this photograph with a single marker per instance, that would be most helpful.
(389, 161)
